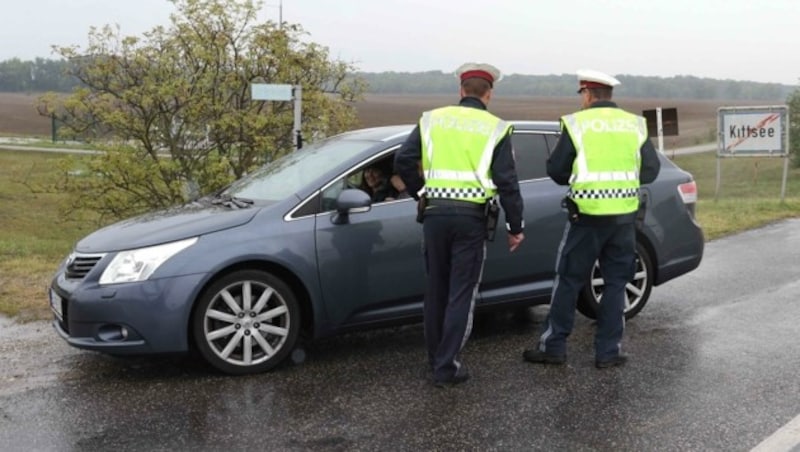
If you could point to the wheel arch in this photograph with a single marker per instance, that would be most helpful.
(295, 284)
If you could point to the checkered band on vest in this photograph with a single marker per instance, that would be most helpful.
(455, 193)
(605, 194)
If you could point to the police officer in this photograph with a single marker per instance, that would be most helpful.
(603, 154)
(466, 160)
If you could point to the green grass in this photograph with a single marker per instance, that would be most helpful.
(35, 238)
(749, 192)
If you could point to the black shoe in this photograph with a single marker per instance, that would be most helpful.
(618, 360)
(540, 357)
(452, 381)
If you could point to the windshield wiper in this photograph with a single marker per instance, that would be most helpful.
(231, 201)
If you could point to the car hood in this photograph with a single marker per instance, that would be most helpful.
(164, 226)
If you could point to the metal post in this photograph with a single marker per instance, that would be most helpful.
(716, 190)
(298, 139)
(53, 126)
(787, 128)
(720, 144)
(660, 130)
(785, 174)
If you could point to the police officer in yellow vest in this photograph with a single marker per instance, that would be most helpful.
(467, 159)
(603, 154)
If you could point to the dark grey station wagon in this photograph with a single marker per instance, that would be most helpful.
(296, 247)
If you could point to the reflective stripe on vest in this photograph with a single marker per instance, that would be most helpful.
(605, 174)
(457, 162)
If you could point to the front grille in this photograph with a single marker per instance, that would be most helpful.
(78, 265)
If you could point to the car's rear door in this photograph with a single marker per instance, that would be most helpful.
(529, 271)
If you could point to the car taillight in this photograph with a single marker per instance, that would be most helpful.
(688, 192)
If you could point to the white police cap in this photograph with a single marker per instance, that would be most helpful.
(588, 78)
(485, 71)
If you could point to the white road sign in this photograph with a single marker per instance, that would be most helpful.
(265, 91)
(753, 131)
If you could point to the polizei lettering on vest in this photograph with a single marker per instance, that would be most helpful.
(609, 126)
(750, 132)
(463, 125)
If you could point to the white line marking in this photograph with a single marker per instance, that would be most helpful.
(787, 438)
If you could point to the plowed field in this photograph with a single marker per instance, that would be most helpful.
(697, 119)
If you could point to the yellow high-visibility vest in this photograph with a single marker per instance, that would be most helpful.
(605, 173)
(457, 148)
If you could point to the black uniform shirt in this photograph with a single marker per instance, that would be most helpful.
(559, 165)
(504, 173)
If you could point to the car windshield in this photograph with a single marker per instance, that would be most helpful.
(288, 174)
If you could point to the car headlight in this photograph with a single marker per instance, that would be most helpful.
(139, 264)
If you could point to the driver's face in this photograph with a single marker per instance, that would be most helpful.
(373, 177)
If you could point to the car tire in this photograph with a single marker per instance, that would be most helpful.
(246, 322)
(636, 294)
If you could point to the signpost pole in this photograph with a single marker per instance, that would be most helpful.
(719, 170)
(660, 126)
(785, 174)
(786, 129)
(298, 138)
(720, 149)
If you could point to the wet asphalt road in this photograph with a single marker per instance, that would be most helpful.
(714, 364)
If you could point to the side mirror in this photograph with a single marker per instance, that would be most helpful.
(350, 201)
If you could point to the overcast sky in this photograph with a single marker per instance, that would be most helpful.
(722, 39)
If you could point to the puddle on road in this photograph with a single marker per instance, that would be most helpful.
(32, 354)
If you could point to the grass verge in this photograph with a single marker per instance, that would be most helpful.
(749, 193)
(35, 238)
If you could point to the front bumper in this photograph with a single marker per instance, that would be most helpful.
(133, 318)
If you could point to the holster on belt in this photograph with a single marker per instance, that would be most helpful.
(492, 214)
(421, 205)
(572, 209)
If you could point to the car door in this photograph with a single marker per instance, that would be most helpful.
(528, 271)
(371, 267)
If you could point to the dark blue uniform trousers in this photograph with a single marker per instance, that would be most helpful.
(454, 253)
(614, 245)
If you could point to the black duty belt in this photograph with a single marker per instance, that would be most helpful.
(440, 202)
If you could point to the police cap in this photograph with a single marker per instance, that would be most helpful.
(480, 70)
(588, 78)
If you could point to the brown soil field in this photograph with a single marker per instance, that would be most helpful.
(18, 116)
(697, 119)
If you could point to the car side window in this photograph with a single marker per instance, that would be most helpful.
(329, 195)
(325, 201)
(382, 188)
(530, 153)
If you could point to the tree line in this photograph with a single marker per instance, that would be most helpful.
(677, 87)
(42, 75)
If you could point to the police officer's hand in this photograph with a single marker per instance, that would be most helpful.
(514, 240)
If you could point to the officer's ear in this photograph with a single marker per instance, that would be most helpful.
(487, 96)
